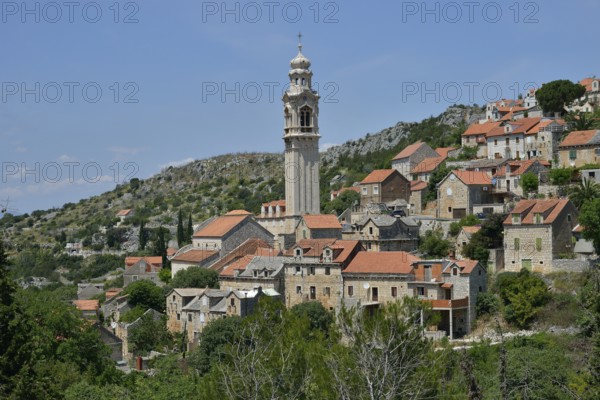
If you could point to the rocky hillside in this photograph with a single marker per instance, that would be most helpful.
(391, 137)
(216, 185)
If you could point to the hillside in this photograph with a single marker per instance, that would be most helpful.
(217, 185)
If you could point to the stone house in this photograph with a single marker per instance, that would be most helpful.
(143, 270)
(251, 272)
(425, 168)
(476, 134)
(227, 232)
(463, 238)
(335, 193)
(508, 139)
(543, 139)
(460, 191)
(591, 99)
(450, 286)
(580, 148)
(508, 178)
(538, 231)
(384, 186)
(111, 340)
(176, 300)
(386, 233)
(318, 226)
(124, 214)
(418, 191)
(85, 291)
(313, 271)
(123, 330)
(374, 278)
(189, 256)
(590, 175)
(90, 309)
(411, 156)
(273, 217)
(201, 310)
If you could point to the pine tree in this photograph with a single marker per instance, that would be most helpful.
(190, 229)
(180, 232)
(160, 246)
(143, 235)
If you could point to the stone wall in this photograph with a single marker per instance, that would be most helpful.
(570, 265)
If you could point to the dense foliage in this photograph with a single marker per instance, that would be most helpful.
(195, 277)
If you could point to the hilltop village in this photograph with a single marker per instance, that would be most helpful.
(497, 187)
(461, 233)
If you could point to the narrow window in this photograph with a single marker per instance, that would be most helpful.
(394, 291)
(538, 244)
(350, 291)
(327, 271)
(313, 292)
(517, 243)
(298, 289)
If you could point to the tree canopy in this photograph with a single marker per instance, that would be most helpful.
(554, 96)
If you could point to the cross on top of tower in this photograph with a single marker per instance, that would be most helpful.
(300, 41)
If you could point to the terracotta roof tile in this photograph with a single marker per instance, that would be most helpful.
(154, 260)
(550, 209)
(427, 165)
(378, 176)
(409, 150)
(418, 185)
(587, 82)
(87, 305)
(466, 266)
(239, 212)
(471, 229)
(443, 151)
(481, 129)
(220, 226)
(123, 213)
(321, 221)
(524, 125)
(195, 256)
(389, 262)
(274, 203)
(472, 177)
(581, 138)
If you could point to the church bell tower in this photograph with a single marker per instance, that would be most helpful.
(301, 137)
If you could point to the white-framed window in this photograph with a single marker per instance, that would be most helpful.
(365, 191)
(375, 189)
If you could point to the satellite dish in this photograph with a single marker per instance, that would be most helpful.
(366, 285)
(113, 325)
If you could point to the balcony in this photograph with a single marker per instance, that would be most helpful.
(449, 304)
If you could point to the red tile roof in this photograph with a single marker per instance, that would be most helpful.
(87, 305)
(520, 167)
(427, 165)
(525, 125)
(378, 176)
(195, 256)
(581, 138)
(220, 226)
(274, 203)
(239, 212)
(153, 260)
(471, 229)
(466, 266)
(123, 213)
(409, 150)
(321, 221)
(443, 151)
(550, 209)
(472, 177)
(343, 249)
(388, 262)
(418, 185)
(587, 82)
(336, 193)
(481, 129)
(250, 247)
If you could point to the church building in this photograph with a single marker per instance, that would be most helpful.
(301, 138)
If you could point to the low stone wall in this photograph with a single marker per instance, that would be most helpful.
(570, 265)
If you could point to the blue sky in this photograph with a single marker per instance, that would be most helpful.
(86, 100)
